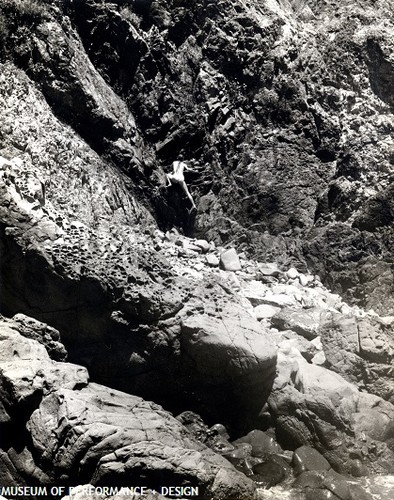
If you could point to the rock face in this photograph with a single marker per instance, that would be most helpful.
(361, 349)
(283, 111)
(278, 153)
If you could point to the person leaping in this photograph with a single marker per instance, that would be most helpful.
(177, 177)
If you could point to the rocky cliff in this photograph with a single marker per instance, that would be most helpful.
(266, 310)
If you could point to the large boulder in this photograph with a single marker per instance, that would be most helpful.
(232, 356)
(27, 372)
(305, 322)
(106, 437)
(81, 432)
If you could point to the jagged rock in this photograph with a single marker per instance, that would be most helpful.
(27, 373)
(309, 402)
(194, 424)
(229, 260)
(361, 349)
(44, 334)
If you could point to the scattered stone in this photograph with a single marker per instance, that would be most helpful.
(191, 246)
(279, 299)
(319, 359)
(265, 311)
(262, 443)
(308, 459)
(255, 292)
(305, 280)
(212, 260)
(229, 260)
(204, 245)
(292, 273)
(268, 269)
(305, 322)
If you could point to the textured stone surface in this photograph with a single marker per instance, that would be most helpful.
(361, 349)
(88, 433)
(131, 437)
(308, 459)
(317, 407)
(229, 260)
(283, 111)
(231, 345)
(230, 351)
(305, 322)
(44, 334)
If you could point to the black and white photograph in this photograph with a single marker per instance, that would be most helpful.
(197, 249)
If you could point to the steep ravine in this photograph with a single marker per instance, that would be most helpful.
(284, 105)
(284, 111)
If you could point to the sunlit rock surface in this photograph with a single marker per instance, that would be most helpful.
(284, 112)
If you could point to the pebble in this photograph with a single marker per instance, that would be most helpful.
(265, 311)
(204, 245)
(292, 273)
(212, 260)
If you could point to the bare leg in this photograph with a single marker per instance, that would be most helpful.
(184, 187)
(168, 177)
